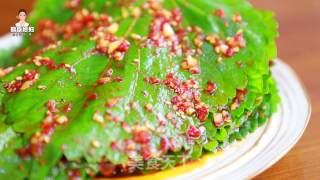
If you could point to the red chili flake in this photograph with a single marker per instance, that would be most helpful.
(104, 80)
(101, 48)
(109, 44)
(62, 65)
(228, 47)
(271, 62)
(171, 82)
(162, 122)
(88, 19)
(114, 145)
(53, 67)
(46, 33)
(195, 70)
(111, 102)
(152, 80)
(117, 79)
(22, 83)
(174, 122)
(237, 18)
(164, 145)
(116, 118)
(13, 87)
(82, 36)
(240, 95)
(93, 96)
(182, 106)
(64, 50)
(145, 152)
(67, 108)
(72, 27)
(50, 64)
(23, 152)
(106, 169)
(71, 4)
(36, 149)
(123, 47)
(94, 85)
(141, 137)
(193, 132)
(211, 87)
(220, 13)
(162, 30)
(74, 174)
(104, 19)
(51, 106)
(239, 39)
(230, 52)
(177, 15)
(17, 85)
(42, 61)
(85, 104)
(47, 128)
(202, 113)
(242, 91)
(109, 72)
(187, 101)
(30, 75)
(46, 61)
(124, 125)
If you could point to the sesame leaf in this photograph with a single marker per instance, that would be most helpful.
(137, 100)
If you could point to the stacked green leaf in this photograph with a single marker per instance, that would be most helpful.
(22, 112)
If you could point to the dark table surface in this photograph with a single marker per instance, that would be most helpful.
(298, 45)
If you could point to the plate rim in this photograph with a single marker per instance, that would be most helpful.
(299, 136)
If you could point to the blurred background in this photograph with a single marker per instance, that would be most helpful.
(298, 45)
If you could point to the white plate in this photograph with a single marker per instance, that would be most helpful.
(260, 149)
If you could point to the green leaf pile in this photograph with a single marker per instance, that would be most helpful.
(22, 112)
